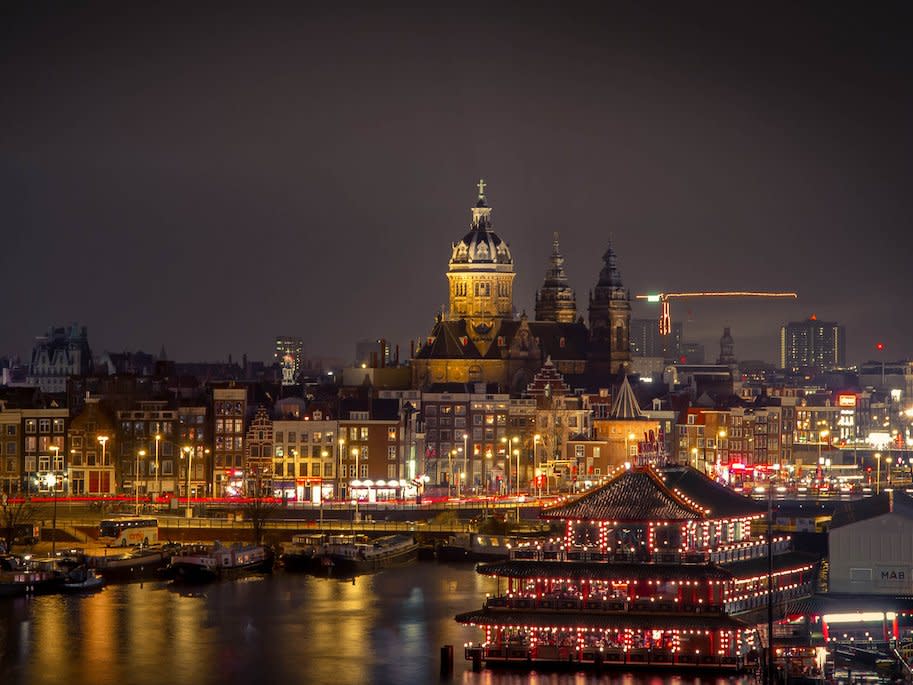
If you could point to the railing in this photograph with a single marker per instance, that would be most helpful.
(555, 553)
(598, 604)
(302, 525)
(599, 656)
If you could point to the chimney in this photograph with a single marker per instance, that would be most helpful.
(396, 356)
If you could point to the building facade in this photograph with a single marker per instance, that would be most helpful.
(812, 345)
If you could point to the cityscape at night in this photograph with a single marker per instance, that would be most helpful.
(476, 344)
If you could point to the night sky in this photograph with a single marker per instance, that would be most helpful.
(207, 179)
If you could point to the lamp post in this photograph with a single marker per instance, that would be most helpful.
(51, 481)
(887, 469)
(188, 452)
(56, 450)
(877, 472)
(355, 516)
(822, 434)
(515, 440)
(158, 480)
(536, 439)
(139, 453)
(466, 454)
(460, 475)
(720, 436)
(339, 453)
(103, 441)
(628, 438)
(694, 457)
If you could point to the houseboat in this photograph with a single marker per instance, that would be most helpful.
(304, 552)
(19, 577)
(350, 555)
(220, 563)
(656, 568)
(140, 564)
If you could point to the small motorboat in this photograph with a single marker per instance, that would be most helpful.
(83, 579)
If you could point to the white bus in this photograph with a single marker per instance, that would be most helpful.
(128, 531)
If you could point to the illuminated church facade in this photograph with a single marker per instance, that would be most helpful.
(481, 340)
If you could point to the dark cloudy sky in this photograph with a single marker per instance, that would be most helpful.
(206, 179)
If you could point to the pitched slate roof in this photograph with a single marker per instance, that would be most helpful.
(449, 340)
(626, 405)
(869, 507)
(722, 502)
(637, 494)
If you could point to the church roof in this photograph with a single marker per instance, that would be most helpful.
(626, 405)
(634, 495)
(449, 340)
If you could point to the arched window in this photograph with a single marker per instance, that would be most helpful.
(619, 337)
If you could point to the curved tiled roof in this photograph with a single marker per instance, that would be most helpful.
(633, 495)
(722, 502)
(626, 619)
(598, 570)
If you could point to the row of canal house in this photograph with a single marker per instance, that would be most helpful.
(660, 566)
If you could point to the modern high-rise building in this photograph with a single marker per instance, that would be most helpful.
(288, 354)
(812, 345)
(646, 340)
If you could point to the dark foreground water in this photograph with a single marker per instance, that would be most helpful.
(284, 628)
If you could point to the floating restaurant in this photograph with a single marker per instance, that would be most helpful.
(656, 567)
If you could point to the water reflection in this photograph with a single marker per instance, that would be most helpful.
(384, 628)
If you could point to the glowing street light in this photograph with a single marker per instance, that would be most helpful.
(140, 453)
(51, 481)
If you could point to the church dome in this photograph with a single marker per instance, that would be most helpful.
(481, 248)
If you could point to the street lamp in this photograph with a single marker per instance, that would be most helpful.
(103, 441)
(694, 457)
(450, 473)
(339, 453)
(887, 468)
(465, 450)
(536, 439)
(720, 436)
(460, 475)
(188, 451)
(628, 438)
(158, 481)
(877, 472)
(51, 480)
(515, 440)
(822, 434)
(56, 450)
(355, 516)
(140, 453)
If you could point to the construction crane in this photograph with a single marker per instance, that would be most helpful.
(665, 314)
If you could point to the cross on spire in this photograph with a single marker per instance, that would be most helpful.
(481, 188)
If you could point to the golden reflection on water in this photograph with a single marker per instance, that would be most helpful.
(383, 628)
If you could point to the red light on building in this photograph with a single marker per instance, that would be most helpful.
(879, 347)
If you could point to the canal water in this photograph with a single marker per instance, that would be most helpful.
(285, 628)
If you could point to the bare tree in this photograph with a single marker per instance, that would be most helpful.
(259, 504)
(15, 513)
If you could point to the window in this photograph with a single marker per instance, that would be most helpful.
(279, 436)
(11, 429)
(30, 464)
(391, 452)
(391, 433)
(280, 469)
(353, 433)
(580, 451)
(391, 470)
(293, 437)
(364, 470)
(44, 463)
(31, 426)
(167, 467)
(11, 449)
(31, 444)
(364, 453)
(58, 425)
(317, 436)
(44, 425)
(431, 410)
(364, 432)
(328, 470)
(476, 419)
(239, 426)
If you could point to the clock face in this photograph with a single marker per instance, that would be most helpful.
(482, 328)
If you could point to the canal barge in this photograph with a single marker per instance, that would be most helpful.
(220, 563)
(656, 568)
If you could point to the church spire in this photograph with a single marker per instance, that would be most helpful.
(555, 300)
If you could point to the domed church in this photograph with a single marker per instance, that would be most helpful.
(480, 339)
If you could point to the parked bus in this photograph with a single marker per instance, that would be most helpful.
(128, 531)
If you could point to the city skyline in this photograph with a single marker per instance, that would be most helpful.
(315, 185)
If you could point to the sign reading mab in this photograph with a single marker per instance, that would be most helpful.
(892, 575)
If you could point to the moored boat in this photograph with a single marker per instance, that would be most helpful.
(19, 578)
(348, 555)
(220, 563)
(141, 564)
(304, 552)
(83, 580)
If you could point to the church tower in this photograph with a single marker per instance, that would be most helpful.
(555, 300)
(610, 318)
(481, 277)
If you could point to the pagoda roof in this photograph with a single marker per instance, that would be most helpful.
(748, 568)
(636, 494)
(596, 570)
(645, 620)
(722, 502)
